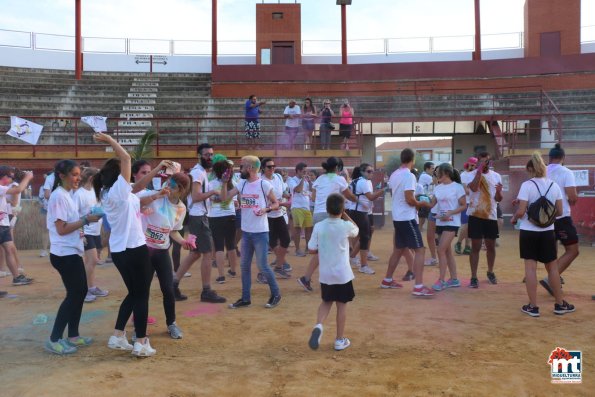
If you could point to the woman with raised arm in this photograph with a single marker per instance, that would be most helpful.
(128, 247)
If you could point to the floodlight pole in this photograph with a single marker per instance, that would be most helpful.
(477, 52)
(78, 51)
(214, 32)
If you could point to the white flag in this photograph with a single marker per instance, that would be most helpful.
(96, 122)
(24, 130)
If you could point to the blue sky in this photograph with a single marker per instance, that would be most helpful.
(190, 19)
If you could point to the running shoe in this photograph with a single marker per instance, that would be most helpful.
(453, 283)
(220, 280)
(473, 283)
(211, 296)
(261, 279)
(79, 341)
(119, 343)
(21, 279)
(422, 291)
(390, 284)
(239, 304)
(90, 298)
(98, 291)
(439, 285)
(408, 276)
(60, 347)
(545, 284)
(231, 274)
(366, 270)
(492, 278)
(300, 253)
(458, 248)
(143, 349)
(564, 308)
(174, 331)
(372, 257)
(187, 274)
(342, 343)
(273, 301)
(307, 284)
(280, 273)
(355, 262)
(287, 267)
(431, 262)
(467, 251)
(314, 341)
(43, 253)
(532, 311)
(178, 295)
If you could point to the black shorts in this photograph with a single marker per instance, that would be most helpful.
(565, 231)
(292, 130)
(92, 242)
(337, 292)
(278, 232)
(423, 212)
(5, 235)
(345, 130)
(199, 226)
(224, 232)
(440, 229)
(538, 246)
(407, 234)
(482, 228)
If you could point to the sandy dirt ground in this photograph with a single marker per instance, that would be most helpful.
(462, 342)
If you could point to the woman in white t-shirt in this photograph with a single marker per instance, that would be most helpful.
(66, 247)
(86, 201)
(448, 203)
(127, 245)
(538, 244)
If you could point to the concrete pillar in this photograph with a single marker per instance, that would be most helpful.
(78, 48)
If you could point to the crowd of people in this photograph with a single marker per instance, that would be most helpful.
(145, 210)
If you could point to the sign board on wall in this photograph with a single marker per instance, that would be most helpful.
(505, 183)
(581, 177)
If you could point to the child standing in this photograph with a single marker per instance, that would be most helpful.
(330, 240)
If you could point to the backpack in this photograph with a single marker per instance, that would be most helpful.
(353, 185)
(542, 212)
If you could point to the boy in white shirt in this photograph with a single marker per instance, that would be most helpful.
(330, 240)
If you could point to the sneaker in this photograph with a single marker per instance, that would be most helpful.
(314, 341)
(342, 344)
(174, 331)
(273, 301)
(564, 308)
(305, 283)
(473, 283)
(4, 274)
(211, 296)
(458, 248)
(143, 349)
(408, 276)
(300, 253)
(261, 279)
(390, 284)
(239, 304)
(21, 279)
(119, 343)
(90, 297)
(280, 273)
(467, 251)
(439, 285)
(133, 338)
(79, 341)
(372, 257)
(60, 347)
(431, 262)
(287, 267)
(532, 311)
(492, 278)
(187, 274)
(43, 254)
(453, 283)
(355, 262)
(220, 280)
(545, 284)
(422, 291)
(178, 295)
(231, 274)
(98, 292)
(366, 270)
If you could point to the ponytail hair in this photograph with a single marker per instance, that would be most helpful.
(106, 176)
(447, 169)
(62, 168)
(536, 165)
(88, 174)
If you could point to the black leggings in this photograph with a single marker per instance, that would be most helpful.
(135, 268)
(176, 251)
(278, 232)
(361, 220)
(72, 271)
(161, 262)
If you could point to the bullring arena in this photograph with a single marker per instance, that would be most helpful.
(448, 105)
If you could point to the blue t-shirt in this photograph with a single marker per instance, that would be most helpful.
(251, 112)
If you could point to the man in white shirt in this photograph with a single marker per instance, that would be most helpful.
(564, 228)
(299, 187)
(407, 234)
(292, 116)
(486, 191)
(198, 225)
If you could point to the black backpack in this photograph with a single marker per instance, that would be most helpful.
(353, 185)
(542, 212)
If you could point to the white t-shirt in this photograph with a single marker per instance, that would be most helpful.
(61, 206)
(159, 218)
(482, 203)
(402, 180)
(325, 185)
(200, 208)
(252, 197)
(122, 209)
(10, 197)
(330, 238)
(48, 184)
(295, 110)
(301, 199)
(564, 178)
(218, 208)
(426, 181)
(85, 199)
(465, 180)
(529, 194)
(4, 206)
(278, 188)
(362, 187)
(447, 199)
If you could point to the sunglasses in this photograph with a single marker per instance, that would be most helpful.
(270, 166)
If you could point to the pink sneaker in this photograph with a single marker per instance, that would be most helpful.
(391, 284)
(422, 291)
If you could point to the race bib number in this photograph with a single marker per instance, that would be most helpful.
(156, 235)
(249, 201)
